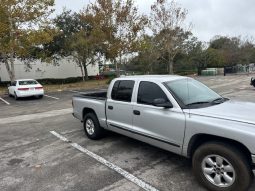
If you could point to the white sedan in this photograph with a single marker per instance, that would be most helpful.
(25, 88)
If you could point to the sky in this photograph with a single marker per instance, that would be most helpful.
(208, 17)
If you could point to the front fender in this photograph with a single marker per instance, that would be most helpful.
(243, 133)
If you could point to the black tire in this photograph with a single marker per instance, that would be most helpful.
(15, 96)
(98, 131)
(243, 173)
(40, 96)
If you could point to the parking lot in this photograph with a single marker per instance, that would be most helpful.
(39, 152)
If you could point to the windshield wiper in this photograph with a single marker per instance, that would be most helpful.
(198, 102)
(218, 100)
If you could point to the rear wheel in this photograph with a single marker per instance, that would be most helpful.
(221, 167)
(40, 96)
(92, 127)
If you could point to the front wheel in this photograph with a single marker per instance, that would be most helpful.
(92, 127)
(221, 167)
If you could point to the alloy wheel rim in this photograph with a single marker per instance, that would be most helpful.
(90, 127)
(218, 170)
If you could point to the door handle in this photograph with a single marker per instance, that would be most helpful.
(136, 112)
(110, 107)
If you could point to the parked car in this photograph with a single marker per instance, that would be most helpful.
(253, 82)
(25, 88)
(181, 115)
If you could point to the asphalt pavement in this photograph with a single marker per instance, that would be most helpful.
(42, 147)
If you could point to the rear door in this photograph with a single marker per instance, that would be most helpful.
(157, 125)
(119, 108)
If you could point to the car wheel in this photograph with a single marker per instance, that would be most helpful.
(40, 96)
(15, 96)
(221, 167)
(92, 127)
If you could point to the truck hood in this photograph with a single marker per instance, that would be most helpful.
(231, 110)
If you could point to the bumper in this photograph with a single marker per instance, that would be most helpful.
(29, 93)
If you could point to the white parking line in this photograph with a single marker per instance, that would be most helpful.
(117, 169)
(51, 97)
(5, 101)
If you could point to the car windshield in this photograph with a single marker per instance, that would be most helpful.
(191, 92)
(28, 82)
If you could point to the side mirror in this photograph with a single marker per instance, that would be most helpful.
(161, 102)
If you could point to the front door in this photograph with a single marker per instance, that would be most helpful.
(157, 125)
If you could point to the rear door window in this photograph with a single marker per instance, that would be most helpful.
(148, 92)
(122, 90)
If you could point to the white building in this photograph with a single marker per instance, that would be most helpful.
(65, 68)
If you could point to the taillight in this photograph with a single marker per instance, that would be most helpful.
(23, 89)
(39, 88)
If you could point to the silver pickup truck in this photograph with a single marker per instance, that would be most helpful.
(181, 115)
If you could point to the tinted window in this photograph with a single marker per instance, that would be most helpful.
(115, 89)
(122, 90)
(149, 91)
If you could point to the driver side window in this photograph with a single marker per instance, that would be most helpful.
(148, 92)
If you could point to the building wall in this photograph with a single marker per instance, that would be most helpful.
(64, 69)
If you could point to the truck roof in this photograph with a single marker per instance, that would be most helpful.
(160, 78)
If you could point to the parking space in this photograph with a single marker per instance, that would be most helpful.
(33, 158)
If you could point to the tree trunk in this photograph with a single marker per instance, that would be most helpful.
(171, 67)
(116, 68)
(86, 72)
(10, 70)
(82, 71)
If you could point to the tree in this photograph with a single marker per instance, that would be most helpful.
(24, 26)
(121, 24)
(166, 22)
(229, 48)
(76, 40)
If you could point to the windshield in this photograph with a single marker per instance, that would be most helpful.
(191, 92)
(28, 82)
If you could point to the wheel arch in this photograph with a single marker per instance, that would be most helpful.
(87, 110)
(199, 139)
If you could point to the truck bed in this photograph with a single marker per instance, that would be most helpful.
(101, 95)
